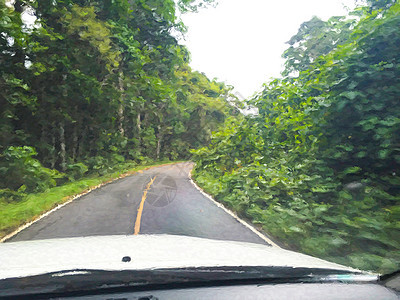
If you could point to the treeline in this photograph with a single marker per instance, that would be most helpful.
(87, 85)
(318, 166)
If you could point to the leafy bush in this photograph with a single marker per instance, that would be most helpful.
(97, 163)
(317, 167)
(7, 195)
(21, 172)
(76, 171)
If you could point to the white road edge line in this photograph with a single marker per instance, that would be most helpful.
(18, 230)
(22, 227)
(231, 213)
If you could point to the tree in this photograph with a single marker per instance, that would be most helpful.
(380, 4)
(93, 84)
(315, 38)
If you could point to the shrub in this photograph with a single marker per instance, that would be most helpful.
(21, 171)
(76, 171)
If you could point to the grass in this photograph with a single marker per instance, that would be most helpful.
(15, 214)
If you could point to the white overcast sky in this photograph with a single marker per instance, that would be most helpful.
(241, 42)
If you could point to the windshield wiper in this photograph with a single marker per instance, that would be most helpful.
(95, 280)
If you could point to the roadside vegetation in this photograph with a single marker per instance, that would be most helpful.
(318, 166)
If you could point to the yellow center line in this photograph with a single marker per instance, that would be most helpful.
(140, 209)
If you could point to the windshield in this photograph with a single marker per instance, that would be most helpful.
(272, 125)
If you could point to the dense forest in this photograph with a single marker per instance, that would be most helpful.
(87, 85)
(317, 167)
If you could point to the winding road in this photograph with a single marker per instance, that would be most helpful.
(160, 200)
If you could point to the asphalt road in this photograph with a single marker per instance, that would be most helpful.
(161, 200)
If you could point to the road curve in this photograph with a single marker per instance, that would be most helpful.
(160, 200)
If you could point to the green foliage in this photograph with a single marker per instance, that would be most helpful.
(76, 171)
(380, 4)
(22, 173)
(317, 167)
(315, 38)
(192, 5)
(94, 84)
(82, 23)
(8, 195)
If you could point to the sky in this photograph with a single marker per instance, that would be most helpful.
(241, 42)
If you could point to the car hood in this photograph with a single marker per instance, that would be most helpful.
(145, 252)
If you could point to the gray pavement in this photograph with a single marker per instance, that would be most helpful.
(172, 206)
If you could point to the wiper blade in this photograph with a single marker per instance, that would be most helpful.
(89, 280)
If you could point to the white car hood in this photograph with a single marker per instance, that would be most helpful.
(20, 259)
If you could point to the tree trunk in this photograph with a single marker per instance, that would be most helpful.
(74, 142)
(63, 163)
(82, 140)
(53, 144)
(19, 57)
(159, 141)
(139, 129)
(43, 142)
(121, 105)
